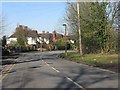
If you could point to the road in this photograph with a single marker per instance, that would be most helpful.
(47, 70)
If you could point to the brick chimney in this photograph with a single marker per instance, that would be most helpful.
(19, 27)
(47, 32)
(26, 28)
(54, 36)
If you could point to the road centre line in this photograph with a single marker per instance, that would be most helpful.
(66, 77)
(55, 69)
(75, 83)
(46, 63)
(51, 66)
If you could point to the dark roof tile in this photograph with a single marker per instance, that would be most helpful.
(29, 33)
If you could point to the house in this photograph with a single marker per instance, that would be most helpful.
(45, 37)
(31, 35)
(57, 36)
(71, 38)
(52, 37)
(49, 37)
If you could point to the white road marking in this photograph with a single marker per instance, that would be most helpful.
(75, 83)
(51, 66)
(47, 64)
(55, 69)
(66, 77)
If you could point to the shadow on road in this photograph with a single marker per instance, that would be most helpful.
(17, 84)
(65, 84)
(84, 76)
(12, 61)
(7, 62)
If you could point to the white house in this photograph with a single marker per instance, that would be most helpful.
(9, 40)
(31, 35)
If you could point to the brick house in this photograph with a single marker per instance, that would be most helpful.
(49, 37)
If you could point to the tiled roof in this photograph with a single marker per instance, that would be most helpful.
(28, 33)
(45, 35)
(58, 36)
(71, 37)
(48, 35)
(13, 35)
(32, 33)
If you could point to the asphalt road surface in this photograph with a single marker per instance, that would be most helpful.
(47, 70)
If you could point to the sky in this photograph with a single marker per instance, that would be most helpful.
(41, 16)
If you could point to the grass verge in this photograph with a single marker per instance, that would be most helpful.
(106, 61)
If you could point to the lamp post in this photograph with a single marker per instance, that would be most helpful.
(65, 39)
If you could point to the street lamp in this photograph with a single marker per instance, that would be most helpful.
(65, 39)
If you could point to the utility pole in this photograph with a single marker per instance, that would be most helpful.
(79, 30)
(65, 39)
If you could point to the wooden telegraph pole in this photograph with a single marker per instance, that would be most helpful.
(79, 30)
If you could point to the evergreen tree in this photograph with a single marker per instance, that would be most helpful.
(21, 39)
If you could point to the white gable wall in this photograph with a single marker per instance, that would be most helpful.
(11, 40)
(40, 39)
(31, 40)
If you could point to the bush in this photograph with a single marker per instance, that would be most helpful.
(60, 44)
(62, 47)
(59, 47)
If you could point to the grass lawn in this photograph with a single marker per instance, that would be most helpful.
(107, 61)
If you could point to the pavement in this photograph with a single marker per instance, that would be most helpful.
(47, 70)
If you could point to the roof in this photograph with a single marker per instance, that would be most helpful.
(45, 35)
(71, 37)
(32, 33)
(28, 33)
(58, 36)
(49, 35)
(13, 35)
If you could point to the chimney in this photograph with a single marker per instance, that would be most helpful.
(20, 26)
(47, 32)
(26, 28)
(54, 36)
(43, 32)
